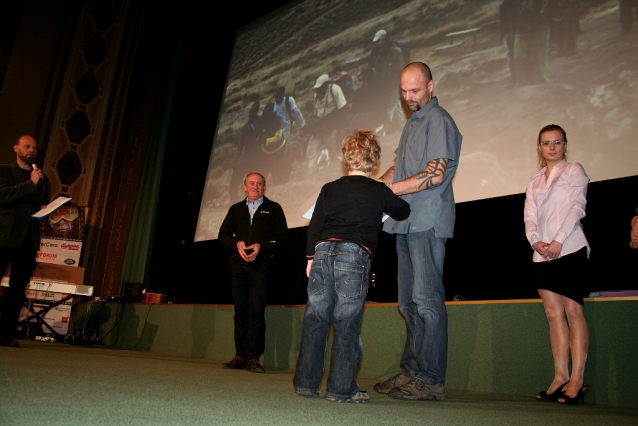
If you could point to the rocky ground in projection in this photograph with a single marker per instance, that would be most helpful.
(592, 93)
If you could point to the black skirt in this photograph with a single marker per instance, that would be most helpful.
(566, 275)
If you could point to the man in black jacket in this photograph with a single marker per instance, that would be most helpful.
(253, 228)
(23, 191)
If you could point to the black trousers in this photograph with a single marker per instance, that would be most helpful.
(22, 261)
(250, 295)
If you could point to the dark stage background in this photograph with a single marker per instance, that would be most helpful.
(489, 257)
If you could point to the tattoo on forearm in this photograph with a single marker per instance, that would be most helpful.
(435, 169)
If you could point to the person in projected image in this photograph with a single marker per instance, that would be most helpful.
(366, 112)
(329, 109)
(628, 13)
(253, 229)
(525, 31)
(555, 203)
(249, 150)
(289, 113)
(387, 61)
(286, 108)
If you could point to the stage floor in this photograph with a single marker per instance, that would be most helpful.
(60, 384)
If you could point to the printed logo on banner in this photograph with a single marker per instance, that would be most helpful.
(62, 236)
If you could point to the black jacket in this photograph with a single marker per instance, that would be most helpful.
(269, 229)
(351, 209)
(19, 199)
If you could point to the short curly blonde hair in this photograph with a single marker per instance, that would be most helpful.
(361, 151)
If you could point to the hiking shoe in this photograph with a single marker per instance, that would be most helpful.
(254, 366)
(9, 343)
(361, 397)
(236, 363)
(393, 382)
(417, 390)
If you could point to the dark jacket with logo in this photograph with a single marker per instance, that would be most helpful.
(269, 229)
(19, 199)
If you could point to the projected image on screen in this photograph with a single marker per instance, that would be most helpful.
(316, 70)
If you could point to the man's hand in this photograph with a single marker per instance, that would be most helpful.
(634, 232)
(36, 175)
(308, 267)
(248, 253)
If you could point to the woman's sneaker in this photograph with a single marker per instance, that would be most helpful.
(361, 397)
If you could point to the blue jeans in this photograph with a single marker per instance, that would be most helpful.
(337, 291)
(422, 302)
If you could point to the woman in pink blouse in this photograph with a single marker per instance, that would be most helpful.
(555, 203)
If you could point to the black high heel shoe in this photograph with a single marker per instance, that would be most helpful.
(552, 397)
(578, 399)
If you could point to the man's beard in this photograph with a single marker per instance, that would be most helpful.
(25, 159)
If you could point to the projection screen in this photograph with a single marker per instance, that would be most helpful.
(503, 69)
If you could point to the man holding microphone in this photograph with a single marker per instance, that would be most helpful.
(23, 191)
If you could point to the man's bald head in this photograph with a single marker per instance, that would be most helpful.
(416, 85)
(421, 67)
(25, 139)
(25, 146)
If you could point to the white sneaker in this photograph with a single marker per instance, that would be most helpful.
(361, 397)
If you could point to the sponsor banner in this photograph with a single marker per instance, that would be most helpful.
(62, 236)
(62, 252)
(49, 296)
(57, 317)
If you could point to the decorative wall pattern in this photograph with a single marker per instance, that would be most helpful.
(84, 123)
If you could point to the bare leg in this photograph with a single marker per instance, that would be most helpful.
(558, 336)
(579, 343)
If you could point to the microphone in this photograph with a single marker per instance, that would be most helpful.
(31, 162)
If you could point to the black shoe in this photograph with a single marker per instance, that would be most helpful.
(552, 397)
(254, 366)
(10, 343)
(236, 363)
(578, 399)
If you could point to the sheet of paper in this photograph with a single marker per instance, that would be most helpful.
(308, 214)
(53, 206)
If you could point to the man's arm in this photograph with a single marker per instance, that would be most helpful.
(228, 239)
(388, 176)
(277, 230)
(226, 235)
(634, 231)
(10, 192)
(432, 175)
